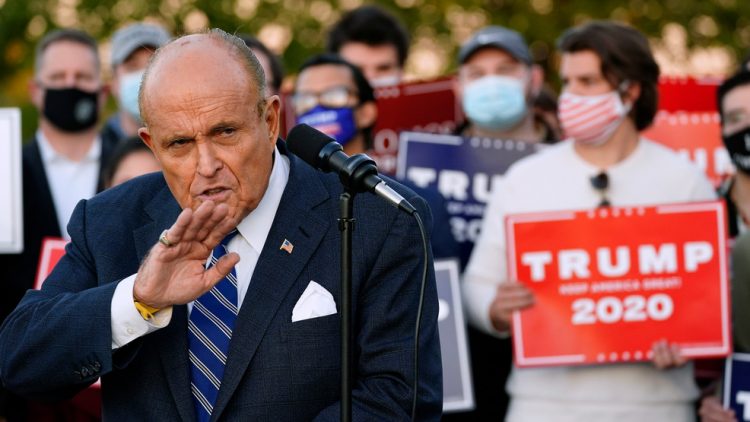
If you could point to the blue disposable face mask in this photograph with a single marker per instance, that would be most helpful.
(495, 102)
(130, 84)
(338, 123)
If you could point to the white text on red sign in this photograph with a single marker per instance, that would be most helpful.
(576, 263)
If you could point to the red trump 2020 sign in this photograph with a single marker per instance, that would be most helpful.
(610, 282)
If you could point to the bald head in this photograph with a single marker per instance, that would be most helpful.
(198, 55)
(208, 122)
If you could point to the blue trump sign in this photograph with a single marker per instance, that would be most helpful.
(737, 385)
(463, 170)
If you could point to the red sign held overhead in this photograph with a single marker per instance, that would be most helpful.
(688, 94)
(688, 122)
(610, 282)
(696, 136)
(427, 106)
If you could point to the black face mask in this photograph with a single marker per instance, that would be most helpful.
(738, 145)
(71, 109)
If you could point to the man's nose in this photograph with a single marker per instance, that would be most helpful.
(208, 161)
(70, 81)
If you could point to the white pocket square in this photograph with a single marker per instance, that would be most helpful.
(315, 302)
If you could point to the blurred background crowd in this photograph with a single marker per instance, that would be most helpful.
(689, 37)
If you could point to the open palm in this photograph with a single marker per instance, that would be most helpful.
(176, 274)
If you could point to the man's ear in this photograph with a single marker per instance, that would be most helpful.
(365, 115)
(632, 92)
(272, 117)
(103, 95)
(536, 80)
(457, 87)
(146, 137)
(36, 93)
(114, 85)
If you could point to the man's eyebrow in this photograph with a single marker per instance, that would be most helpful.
(221, 126)
(170, 139)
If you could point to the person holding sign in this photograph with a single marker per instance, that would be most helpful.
(733, 100)
(497, 86)
(609, 96)
(734, 108)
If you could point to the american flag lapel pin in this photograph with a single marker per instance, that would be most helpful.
(286, 246)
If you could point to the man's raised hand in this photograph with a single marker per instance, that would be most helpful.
(176, 274)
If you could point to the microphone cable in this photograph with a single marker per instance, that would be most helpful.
(419, 314)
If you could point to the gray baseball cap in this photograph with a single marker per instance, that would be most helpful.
(499, 37)
(132, 37)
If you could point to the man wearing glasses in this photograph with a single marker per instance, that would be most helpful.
(609, 96)
(333, 96)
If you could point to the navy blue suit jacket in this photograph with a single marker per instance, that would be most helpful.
(58, 340)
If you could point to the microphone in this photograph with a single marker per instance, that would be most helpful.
(358, 172)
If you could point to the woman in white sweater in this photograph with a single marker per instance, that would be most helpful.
(609, 95)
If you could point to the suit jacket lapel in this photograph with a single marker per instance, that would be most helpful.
(162, 210)
(173, 350)
(171, 341)
(276, 270)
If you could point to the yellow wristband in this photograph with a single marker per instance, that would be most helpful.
(147, 312)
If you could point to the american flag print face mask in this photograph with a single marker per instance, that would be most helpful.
(591, 119)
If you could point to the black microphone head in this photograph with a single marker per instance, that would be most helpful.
(309, 143)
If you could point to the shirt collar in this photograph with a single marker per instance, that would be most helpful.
(255, 227)
(50, 155)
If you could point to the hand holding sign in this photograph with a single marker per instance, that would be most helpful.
(711, 410)
(511, 296)
(667, 355)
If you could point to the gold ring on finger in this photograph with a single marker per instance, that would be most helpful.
(164, 240)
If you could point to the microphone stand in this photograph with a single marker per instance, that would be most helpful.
(354, 171)
(346, 227)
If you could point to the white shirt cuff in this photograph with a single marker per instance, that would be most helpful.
(478, 298)
(127, 322)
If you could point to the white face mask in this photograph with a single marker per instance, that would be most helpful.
(591, 119)
(130, 84)
(495, 102)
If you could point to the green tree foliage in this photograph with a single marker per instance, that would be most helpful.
(298, 27)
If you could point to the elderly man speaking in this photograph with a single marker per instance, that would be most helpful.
(211, 292)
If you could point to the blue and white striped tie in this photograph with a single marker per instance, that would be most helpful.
(209, 332)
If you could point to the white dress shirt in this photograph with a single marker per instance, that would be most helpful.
(554, 179)
(69, 181)
(127, 323)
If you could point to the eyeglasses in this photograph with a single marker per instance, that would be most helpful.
(335, 97)
(600, 182)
